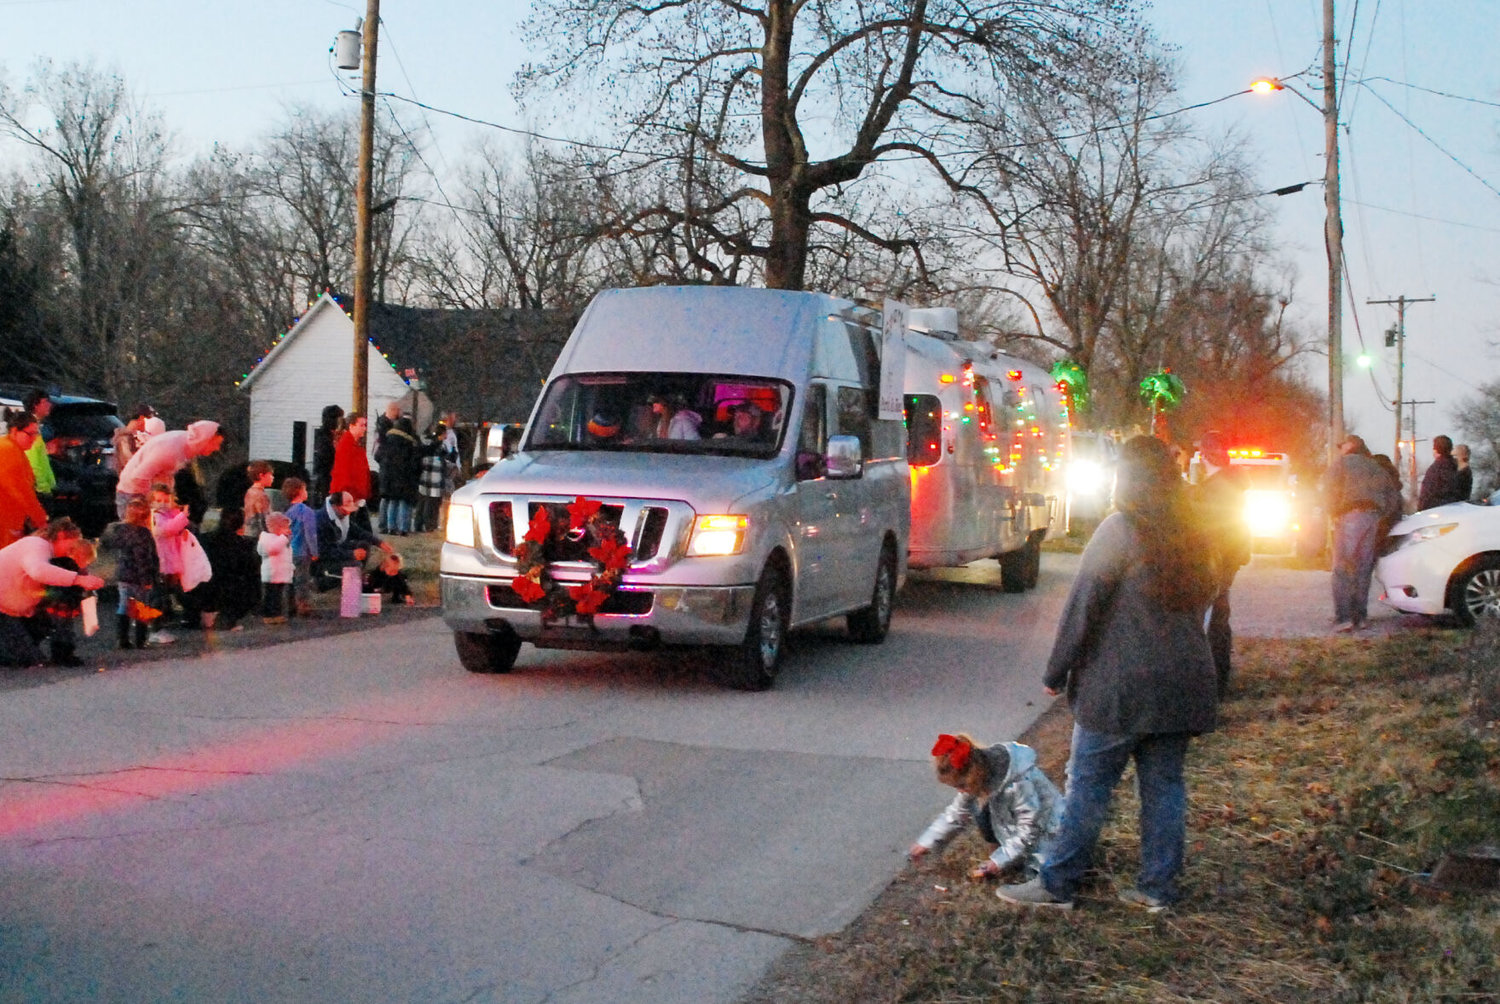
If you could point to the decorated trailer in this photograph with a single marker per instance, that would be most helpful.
(987, 436)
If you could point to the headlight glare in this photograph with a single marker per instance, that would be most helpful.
(460, 525)
(718, 535)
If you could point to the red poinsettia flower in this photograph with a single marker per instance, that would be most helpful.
(587, 599)
(580, 511)
(540, 527)
(611, 553)
(527, 588)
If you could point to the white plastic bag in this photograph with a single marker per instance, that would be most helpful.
(196, 568)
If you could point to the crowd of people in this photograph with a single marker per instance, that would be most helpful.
(270, 550)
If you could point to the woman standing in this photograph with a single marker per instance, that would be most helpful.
(325, 438)
(1133, 658)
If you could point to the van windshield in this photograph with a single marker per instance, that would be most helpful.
(729, 415)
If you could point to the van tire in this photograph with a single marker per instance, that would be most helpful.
(869, 625)
(487, 652)
(754, 662)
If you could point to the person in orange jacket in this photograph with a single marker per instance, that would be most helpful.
(20, 509)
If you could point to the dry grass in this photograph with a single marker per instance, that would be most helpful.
(1344, 769)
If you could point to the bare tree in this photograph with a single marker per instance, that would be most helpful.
(100, 164)
(800, 98)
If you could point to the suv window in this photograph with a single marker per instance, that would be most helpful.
(81, 422)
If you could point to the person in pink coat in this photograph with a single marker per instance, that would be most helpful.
(169, 525)
(160, 457)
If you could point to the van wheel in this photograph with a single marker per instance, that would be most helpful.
(487, 652)
(753, 664)
(870, 625)
(1476, 593)
(1013, 570)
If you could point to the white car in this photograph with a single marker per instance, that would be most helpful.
(1444, 559)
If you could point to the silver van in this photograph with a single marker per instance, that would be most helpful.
(729, 438)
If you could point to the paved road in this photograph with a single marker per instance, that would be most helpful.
(354, 817)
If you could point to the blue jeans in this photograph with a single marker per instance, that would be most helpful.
(1355, 537)
(1095, 764)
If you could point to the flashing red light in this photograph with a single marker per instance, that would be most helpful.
(1013, 375)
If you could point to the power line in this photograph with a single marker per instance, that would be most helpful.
(1429, 90)
(1420, 132)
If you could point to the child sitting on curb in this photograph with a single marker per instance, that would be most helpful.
(1003, 792)
(390, 581)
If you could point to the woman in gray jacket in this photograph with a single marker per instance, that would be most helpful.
(1133, 658)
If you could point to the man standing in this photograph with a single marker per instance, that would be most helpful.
(1440, 483)
(18, 502)
(39, 403)
(26, 570)
(1360, 496)
(1220, 501)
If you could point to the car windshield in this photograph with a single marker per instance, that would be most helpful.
(731, 415)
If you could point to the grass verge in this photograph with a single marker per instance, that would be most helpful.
(1342, 772)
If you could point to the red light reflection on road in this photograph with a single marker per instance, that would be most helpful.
(33, 804)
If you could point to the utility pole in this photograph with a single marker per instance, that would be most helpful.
(1401, 302)
(1411, 453)
(1333, 237)
(363, 269)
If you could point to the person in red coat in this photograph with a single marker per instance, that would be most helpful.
(351, 467)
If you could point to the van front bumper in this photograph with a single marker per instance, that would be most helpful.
(671, 615)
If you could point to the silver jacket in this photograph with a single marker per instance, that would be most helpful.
(1023, 808)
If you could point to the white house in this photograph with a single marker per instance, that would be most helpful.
(311, 366)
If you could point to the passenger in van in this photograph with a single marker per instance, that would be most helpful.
(603, 427)
(671, 418)
(747, 423)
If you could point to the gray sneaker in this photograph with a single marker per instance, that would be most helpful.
(1032, 893)
(1144, 900)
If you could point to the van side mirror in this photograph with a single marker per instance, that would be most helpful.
(844, 459)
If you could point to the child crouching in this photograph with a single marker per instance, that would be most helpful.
(1003, 792)
(275, 549)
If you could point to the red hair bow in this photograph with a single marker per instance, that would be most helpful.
(956, 750)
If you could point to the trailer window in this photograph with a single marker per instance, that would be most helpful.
(924, 429)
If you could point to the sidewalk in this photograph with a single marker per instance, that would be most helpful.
(99, 653)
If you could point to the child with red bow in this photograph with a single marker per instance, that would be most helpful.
(1003, 792)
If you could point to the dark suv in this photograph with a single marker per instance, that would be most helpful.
(80, 443)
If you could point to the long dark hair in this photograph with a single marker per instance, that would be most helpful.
(1176, 551)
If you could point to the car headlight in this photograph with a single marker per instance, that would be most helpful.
(1085, 477)
(460, 525)
(718, 535)
(1427, 533)
(1268, 513)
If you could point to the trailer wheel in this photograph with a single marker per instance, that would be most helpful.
(486, 652)
(1013, 570)
(869, 625)
(754, 662)
(1033, 569)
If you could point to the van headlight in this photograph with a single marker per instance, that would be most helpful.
(460, 525)
(718, 535)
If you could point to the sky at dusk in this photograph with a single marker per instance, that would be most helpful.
(1420, 145)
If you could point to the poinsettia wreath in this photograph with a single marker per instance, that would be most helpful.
(607, 547)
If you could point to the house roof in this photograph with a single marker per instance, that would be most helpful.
(485, 364)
